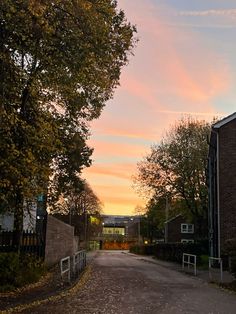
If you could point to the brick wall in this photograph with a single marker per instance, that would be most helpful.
(60, 241)
(227, 182)
(174, 230)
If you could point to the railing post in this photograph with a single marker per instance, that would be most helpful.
(219, 260)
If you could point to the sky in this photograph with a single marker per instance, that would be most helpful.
(183, 64)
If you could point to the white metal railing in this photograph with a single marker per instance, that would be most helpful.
(190, 260)
(211, 261)
(65, 267)
(79, 261)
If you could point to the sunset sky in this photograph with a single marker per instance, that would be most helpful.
(184, 63)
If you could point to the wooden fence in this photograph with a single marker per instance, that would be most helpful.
(31, 242)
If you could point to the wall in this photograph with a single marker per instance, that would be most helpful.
(227, 182)
(60, 241)
(173, 229)
(6, 222)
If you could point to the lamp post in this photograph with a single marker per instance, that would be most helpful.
(66, 202)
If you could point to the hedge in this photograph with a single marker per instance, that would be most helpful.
(172, 251)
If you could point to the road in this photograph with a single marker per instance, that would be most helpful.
(121, 283)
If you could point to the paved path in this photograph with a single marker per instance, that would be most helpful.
(122, 283)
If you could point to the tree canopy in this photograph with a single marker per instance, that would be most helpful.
(175, 169)
(60, 61)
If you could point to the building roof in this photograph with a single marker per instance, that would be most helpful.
(224, 121)
(173, 218)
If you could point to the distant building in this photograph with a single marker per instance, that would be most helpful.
(113, 230)
(222, 184)
(120, 225)
(33, 215)
(119, 232)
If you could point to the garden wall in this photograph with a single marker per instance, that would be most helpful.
(60, 241)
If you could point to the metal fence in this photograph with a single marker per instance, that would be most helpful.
(73, 266)
(65, 267)
(191, 261)
(30, 242)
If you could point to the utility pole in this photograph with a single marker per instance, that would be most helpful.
(139, 231)
(85, 229)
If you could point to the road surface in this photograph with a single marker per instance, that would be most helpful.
(121, 283)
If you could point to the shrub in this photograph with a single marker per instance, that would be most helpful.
(142, 249)
(18, 270)
(9, 268)
(171, 251)
(230, 250)
(174, 251)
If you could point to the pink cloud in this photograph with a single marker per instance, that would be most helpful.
(227, 13)
(175, 61)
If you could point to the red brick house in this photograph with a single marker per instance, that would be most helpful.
(222, 184)
(178, 230)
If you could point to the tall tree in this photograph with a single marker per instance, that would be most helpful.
(59, 63)
(175, 168)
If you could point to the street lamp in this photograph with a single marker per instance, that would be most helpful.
(66, 201)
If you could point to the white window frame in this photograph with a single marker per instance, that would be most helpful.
(187, 241)
(187, 228)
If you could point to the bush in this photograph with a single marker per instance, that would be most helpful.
(230, 250)
(172, 251)
(142, 249)
(18, 270)
(9, 268)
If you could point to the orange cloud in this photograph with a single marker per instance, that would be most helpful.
(107, 148)
(123, 171)
(118, 199)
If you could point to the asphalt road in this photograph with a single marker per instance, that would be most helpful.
(121, 283)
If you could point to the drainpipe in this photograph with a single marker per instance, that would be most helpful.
(218, 187)
(218, 192)
(210, 210)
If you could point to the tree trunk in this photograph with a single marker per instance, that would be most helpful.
(18, 221)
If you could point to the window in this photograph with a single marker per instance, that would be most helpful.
(187, 228)
(187, 241)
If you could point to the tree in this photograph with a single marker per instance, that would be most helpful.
(175, 169)
(59, 63)
(81, 209)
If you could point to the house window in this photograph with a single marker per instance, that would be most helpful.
(187, 241)
(187, 228)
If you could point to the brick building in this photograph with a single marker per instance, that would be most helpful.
(222, 184)
(178, 230)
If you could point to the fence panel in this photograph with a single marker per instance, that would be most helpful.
(65, 267)
(31, 242)
(6, 240)
(79, 261)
